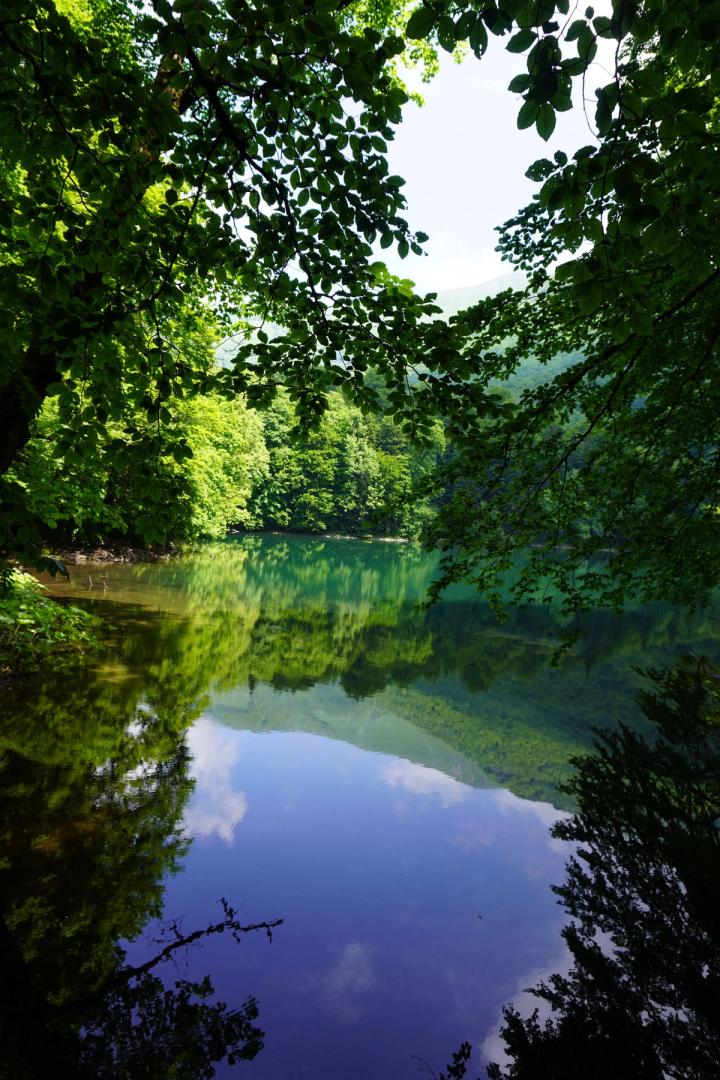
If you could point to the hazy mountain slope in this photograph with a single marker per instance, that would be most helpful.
(453, 300)
(531, 373)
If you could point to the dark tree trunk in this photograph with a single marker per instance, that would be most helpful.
(20, 402)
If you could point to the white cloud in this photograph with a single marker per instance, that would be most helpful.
(344, 986)
(419, 780)
(508, 803)
(493, 1046)
(216, 808)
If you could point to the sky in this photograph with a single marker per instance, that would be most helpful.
(464, 162)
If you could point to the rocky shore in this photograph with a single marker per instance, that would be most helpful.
(76, 556)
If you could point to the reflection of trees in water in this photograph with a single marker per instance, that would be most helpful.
(647, 812)
(642, 999)
(93, 786)
(292, 612)
(394, 644)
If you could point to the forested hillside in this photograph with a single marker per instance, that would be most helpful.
(238, 468)
(530, 372)
(170, 184)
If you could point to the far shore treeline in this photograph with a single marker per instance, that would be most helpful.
(241, 468)
(234, 466)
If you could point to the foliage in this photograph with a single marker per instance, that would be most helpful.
(162, 163)
(195, 493)
(229, 462)
(35, 630)
(356, 474)
(620, 248)
(165, 166)
(289, 614)
(148, 1032)
(641, 997)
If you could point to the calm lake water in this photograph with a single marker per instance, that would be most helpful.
(274, 722)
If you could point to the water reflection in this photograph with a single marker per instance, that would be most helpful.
(345, 751)
(420, 780)
(402, 891)
(93, 789)
(293, 614)
(218, 808)
(642, 997)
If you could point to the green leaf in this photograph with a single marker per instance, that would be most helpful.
(575, 30)
(420, 23)
(586, 44)
(545, 121)
(446, 33)
(603, 116)
(519, 84)
(593, 230)
(574, 66)
(479, 37)
(561, 102)
(464, 25)
(521, 41)
(527, 115)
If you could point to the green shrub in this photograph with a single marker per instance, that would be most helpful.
(34, 629)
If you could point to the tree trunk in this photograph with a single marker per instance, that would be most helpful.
(20, 402)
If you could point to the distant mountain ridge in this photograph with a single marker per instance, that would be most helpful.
(453, 300)
(531, 373)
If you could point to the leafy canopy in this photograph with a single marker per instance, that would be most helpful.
(161, 162)
(609, 473)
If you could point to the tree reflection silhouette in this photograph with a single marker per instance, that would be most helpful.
(642, 998)
(93, 786)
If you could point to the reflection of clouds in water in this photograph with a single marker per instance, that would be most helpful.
(343, 987)
(215, 807)
(472, 836)
(492, 1047)
(506, 802)
(419, 780)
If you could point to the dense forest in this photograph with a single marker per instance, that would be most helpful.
(356, 474)
(238, 469)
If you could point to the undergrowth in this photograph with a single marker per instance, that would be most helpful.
(35, 629)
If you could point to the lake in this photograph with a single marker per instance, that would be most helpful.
(274, 722)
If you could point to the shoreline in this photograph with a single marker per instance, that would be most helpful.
(78, 555)
(72, 555)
